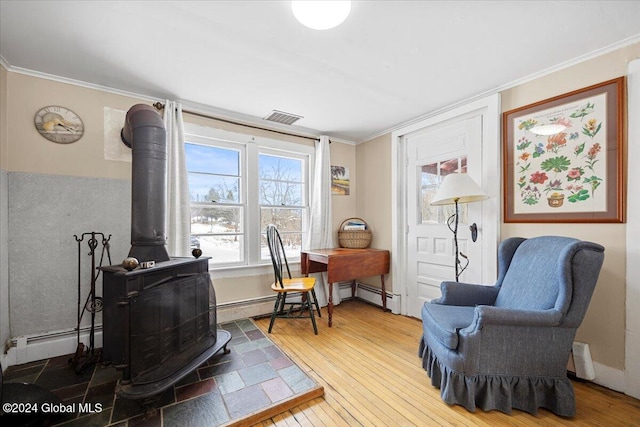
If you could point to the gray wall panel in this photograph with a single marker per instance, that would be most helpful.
(4, 259)
(44, 214)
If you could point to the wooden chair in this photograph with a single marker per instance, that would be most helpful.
(283, 286)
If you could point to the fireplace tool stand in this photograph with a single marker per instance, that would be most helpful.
(93, 304)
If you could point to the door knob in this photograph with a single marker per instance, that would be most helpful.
(474, 232)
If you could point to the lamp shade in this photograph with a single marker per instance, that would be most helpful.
(458, 187)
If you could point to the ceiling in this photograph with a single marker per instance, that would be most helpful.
(389, 63)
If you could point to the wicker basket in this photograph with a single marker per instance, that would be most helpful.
(354, 239)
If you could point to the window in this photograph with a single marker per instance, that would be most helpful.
(217, 202)
(282, 200)
(431, 177)
(238, 184)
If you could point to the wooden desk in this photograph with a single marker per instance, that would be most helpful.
(343, 264)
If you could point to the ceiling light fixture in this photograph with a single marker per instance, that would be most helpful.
(547, 129)
(321, 15)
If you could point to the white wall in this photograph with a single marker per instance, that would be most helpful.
(632, 341)
(4, 205)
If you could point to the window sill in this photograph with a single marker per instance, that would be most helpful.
(246, 270)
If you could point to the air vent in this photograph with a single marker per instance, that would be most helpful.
(282, 117)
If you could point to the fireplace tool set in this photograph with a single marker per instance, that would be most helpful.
(93, 304)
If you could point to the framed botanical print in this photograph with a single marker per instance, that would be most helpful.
(563, 157)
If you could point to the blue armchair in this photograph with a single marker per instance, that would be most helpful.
(507, 346)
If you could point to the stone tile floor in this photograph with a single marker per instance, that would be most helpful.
(228, 387)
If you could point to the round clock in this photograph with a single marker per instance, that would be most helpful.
(59, 124)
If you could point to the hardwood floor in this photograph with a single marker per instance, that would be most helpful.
(369, 366)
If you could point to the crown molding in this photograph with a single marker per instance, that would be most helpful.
(201, 108)
(252, 120)
(594, 54)
(59, 79)
(4, 63)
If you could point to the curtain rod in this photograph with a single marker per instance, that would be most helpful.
(160, 106)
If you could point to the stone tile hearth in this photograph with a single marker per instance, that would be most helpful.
(253, 377)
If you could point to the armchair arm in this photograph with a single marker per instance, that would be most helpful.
(466, 294)
(487, 315)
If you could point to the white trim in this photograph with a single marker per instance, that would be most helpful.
(217, 134)
(251, 147)
(594, 54)
(632, 331)
(608, 377)
(373, 296)
(4, 63)
(244, 309)
(224, 272)
(306, 132)
(489, 109)
(59, 343)
(66, 80)
(263, 306)
(32, 348)
(220, 113)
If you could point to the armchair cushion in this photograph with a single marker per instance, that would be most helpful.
(446, 321)
(455, 293)
(488, 315)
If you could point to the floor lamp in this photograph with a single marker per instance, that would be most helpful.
(458, 188)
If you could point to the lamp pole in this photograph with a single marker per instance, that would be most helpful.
(455, 241)
(455, 218)
(458, 188)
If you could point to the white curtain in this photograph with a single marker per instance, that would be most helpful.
(178, 207)
(320, 226)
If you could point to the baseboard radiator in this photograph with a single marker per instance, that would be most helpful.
(53, 344)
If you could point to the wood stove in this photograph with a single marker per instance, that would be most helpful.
(159, 323)
(158, 326)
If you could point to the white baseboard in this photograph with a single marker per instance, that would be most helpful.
(609, 377)
(374, 296)
(38, 347)
(31, 348)
(228, 312)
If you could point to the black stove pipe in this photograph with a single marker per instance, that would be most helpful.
(144, 132)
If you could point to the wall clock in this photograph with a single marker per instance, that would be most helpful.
(59, 124)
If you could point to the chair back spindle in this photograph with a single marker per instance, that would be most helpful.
(276, 250)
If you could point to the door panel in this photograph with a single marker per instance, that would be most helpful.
(433, 153)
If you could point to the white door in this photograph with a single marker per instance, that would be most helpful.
(432, 153)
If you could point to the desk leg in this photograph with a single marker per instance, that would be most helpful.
(330, 308)
(384, 294)
(305, 263)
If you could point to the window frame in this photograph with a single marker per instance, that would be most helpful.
(251, 146)
(242, 194)
(305, 207)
